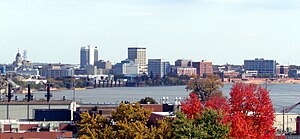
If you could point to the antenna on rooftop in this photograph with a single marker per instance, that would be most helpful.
(25, 55)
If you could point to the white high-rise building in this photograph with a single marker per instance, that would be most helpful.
(88, 55)
(138, 55)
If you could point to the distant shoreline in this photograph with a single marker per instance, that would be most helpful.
(263, 81)
(259, 81)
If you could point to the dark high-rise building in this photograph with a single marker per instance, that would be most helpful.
(158, 67)
(88, 55)
(262, 66)
(183, 63)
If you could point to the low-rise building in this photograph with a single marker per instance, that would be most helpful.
(231, 74)
(28, 72)
(28, 129)
(286, 121)
(294, 73)
(262, 66)
(126, 67)
(25, 110)
(185, 71)
(250, 74)
(101, 64)
(56, 71)
(91, 69)
(282, 71)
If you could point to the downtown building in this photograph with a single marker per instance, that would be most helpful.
(138, 55)
(183, 63)
(56, 71)
(158, 67)
(204, 68)
(262, 66)
(126, 67)
(88, 55)
(180, 71)
(282, 71)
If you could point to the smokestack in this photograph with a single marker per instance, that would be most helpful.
(48, 94)
(29, 93)
(9, 96)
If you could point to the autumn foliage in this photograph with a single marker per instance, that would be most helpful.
(191, 106)
(248, 114)
(251, 111)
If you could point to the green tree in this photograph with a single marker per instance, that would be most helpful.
(212, 125)
(207, 125)
(147, 99)
(184, 127)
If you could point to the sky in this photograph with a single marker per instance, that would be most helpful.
(221, 31)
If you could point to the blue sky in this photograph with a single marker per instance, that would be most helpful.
(217, 30)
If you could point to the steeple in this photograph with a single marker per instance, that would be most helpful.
(18, 60)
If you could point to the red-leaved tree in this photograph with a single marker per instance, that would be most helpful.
(191, 106)
(252, 112)
(221, 105)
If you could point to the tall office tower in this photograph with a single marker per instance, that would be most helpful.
(88, 55)
(138, 55)
(158, 67)
(155, 67)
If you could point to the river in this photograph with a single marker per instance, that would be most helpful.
(282, 95)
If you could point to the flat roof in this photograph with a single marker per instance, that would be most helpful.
(44, 102)
(136, 47)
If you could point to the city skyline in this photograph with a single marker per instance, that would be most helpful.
(220, 31)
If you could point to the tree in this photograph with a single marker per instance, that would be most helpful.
(94, 127)
(252, 112)
(221, 105)
(131, 113)
(205, 87)
(163, 129)
(127, 121)
(208, 120)
(191, 106)
(147, 99)
(211, 122)
(185, 127)
(205, 126)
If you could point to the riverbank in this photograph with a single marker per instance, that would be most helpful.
(263, 81)
(227, 81)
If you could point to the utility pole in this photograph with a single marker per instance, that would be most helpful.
(74, 89)
(283, 120)
(267, 84)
